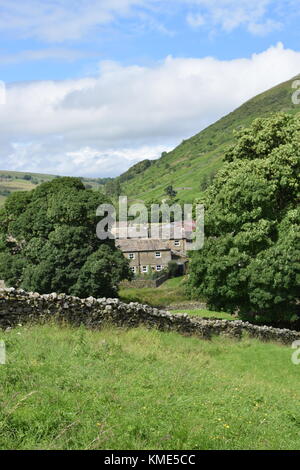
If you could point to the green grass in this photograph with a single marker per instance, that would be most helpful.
(170, 292)
(70, 388)
(207, 314)
(201, 155)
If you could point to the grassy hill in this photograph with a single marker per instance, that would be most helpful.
(11, 181)
(71, 388)
(190, 166)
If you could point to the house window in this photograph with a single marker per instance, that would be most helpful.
(158, 254)
(133, 269)
(159, 267)
(131, 256)
(176, 242)
(144, 269)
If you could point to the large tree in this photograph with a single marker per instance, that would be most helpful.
(49, 244)
(250, 261)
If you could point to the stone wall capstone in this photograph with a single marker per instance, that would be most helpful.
(20, 307)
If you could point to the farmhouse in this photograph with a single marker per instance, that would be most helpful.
(146, 255)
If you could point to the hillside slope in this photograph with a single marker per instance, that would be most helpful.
(11, 181)
(190, 166)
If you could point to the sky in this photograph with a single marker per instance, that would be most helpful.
(90, 87)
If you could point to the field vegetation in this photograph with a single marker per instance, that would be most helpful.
(71, 388)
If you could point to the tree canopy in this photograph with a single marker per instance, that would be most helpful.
(251, 257)
(48, 242)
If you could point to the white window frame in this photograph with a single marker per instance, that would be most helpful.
(131, 256)
(160, 268)
(157, 254)
(133, 269)
(144, 269)
(176, 242)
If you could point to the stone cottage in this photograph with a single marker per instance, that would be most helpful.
(146, 255)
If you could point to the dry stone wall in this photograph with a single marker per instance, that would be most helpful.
(20, 307)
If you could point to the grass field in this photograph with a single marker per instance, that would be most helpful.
(206, 314)
(70, 388)
(170, 292)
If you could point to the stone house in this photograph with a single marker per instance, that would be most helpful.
(146, 255)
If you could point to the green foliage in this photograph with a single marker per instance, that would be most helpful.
(49, 243)
(113, 188)
(71, 388)
(250, 261)
(173, 269)
(170, 192)
(135, 170)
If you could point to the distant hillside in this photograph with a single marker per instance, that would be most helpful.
(190, 166)
(11, 181)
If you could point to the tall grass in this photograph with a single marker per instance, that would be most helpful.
(71, 388)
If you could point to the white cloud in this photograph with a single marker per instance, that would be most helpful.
(64, 20)
(262, 29)
(60, 20)
(195, 20)
(259, 17)
(62, 54)
(100, 126)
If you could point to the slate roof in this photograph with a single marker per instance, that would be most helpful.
(133, 245)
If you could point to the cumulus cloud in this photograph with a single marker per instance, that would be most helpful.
(100, 126)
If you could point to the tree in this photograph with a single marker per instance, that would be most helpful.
(48, 242)
(250, 260)
(113, 188)
(170, 191)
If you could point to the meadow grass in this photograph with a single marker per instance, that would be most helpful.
(73, 388)
(170, 292)
(207, 314)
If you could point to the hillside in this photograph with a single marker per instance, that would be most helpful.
(11, 181)
(190, 166)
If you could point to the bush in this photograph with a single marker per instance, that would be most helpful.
(173, 269)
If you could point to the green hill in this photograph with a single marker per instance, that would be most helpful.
(191, 166)
(11, 181)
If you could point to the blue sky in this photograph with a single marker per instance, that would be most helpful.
(95, 85)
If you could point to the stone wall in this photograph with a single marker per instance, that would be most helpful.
(18, 306)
